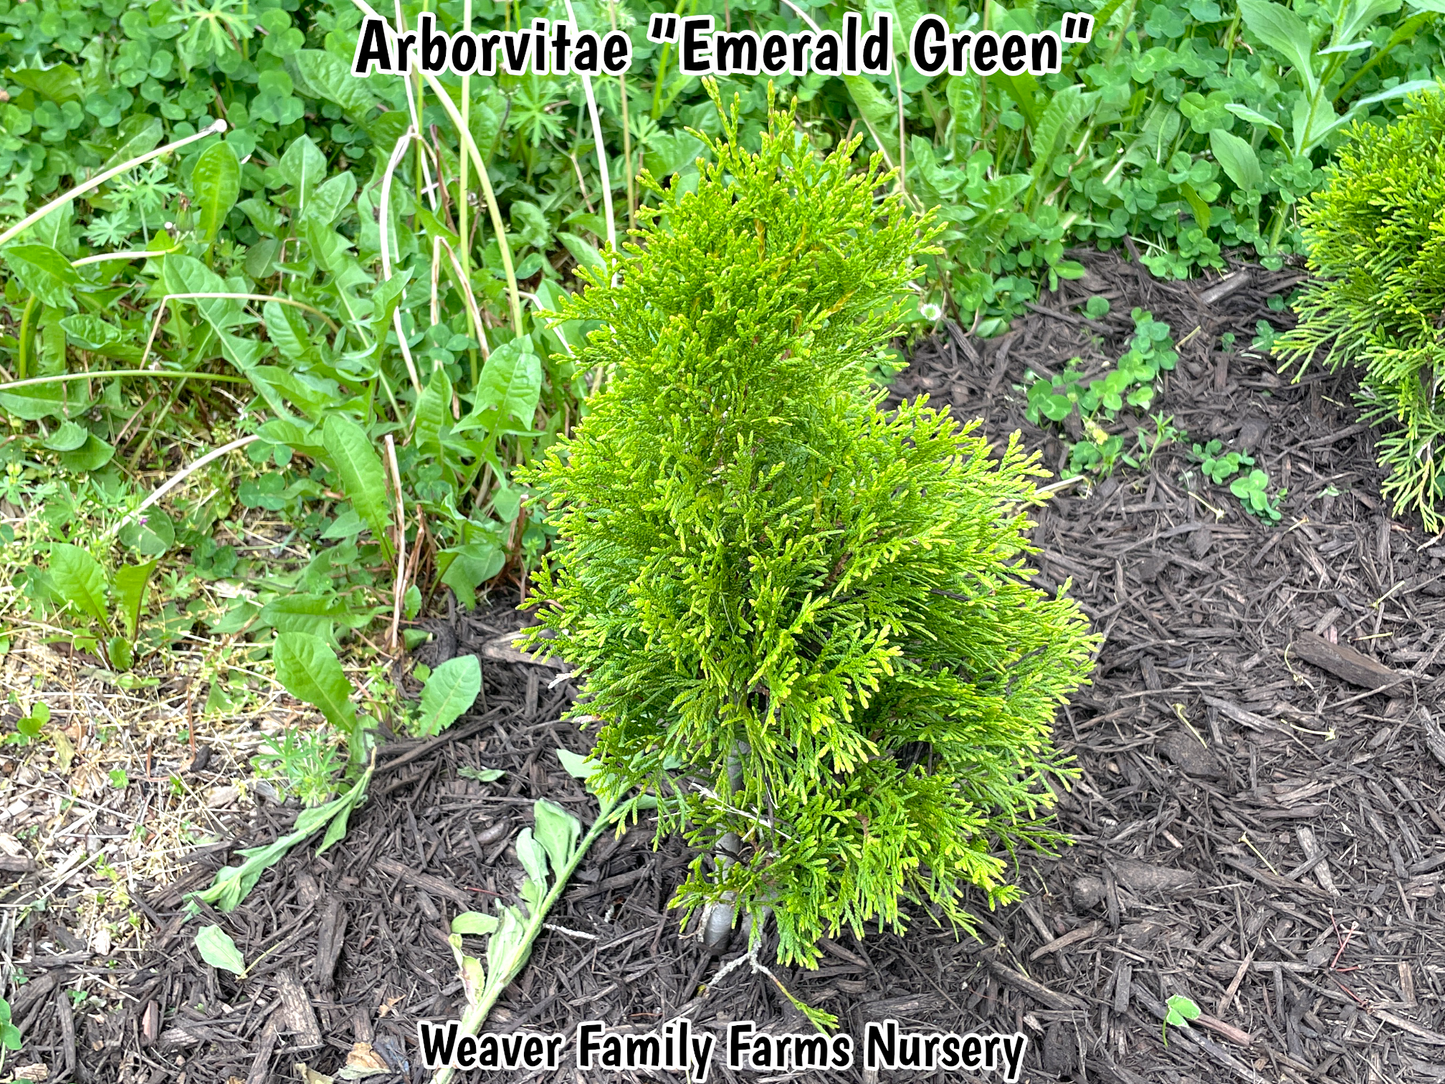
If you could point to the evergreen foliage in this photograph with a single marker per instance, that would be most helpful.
(1376, 298)
(755, 561)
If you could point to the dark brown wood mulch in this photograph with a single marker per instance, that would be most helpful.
(1258, 820)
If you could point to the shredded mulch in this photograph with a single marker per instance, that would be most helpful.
(1258, 816)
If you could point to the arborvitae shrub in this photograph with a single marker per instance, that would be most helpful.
(753, 560)
(1376, 297)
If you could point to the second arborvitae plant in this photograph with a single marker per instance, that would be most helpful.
(757, 566)
(1376, 296)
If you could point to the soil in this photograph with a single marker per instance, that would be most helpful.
(1258, 815)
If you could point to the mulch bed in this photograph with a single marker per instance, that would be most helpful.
(1258, 818)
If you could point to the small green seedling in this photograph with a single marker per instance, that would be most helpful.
(80, 582)
(1252, 488)
(1131, 383)
(9, 1033)
(28, 727)
(1252, 492)
(1220, 468)
(1181, 1011)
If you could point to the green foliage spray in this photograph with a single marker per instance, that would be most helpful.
(1376, 297)
(756, 564)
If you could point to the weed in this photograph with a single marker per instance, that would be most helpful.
(29, 726)
(1220, 466)
(78, 580)
(1180, 1011)
(1251, 486)
(1130, 383)
(306, 762)
(1253, 492)
(9, 1033)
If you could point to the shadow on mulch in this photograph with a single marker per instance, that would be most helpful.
(1258, 819)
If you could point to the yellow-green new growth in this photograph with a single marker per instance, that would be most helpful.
(1376, 297)
(754, 561)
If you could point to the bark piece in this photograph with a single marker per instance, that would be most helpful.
(1345, 662)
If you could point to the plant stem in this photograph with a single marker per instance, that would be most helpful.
(99, 179)
(65, 378)
(465, 239)
(597, 142)
(469, 146)
(626, 133)
(500, 974)
(22, 353)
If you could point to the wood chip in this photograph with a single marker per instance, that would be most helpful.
(1313, 851)
(1423, 1034)
(435, 885)
(329, 941)
(1225, 286)
(1073, 937)
(1224, 1030)
(1123, 986)
(1345, 662)
(300, 1017)
(1434, 735)
(1246, 718)
(502, 649)
(1034, 989)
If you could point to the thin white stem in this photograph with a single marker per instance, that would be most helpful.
(469, 145)
(399, 587)
(132, 254)
(384, 228)
(473, 311)
(99, 179)
(182, 475)
(597, 142)
(414, 107)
